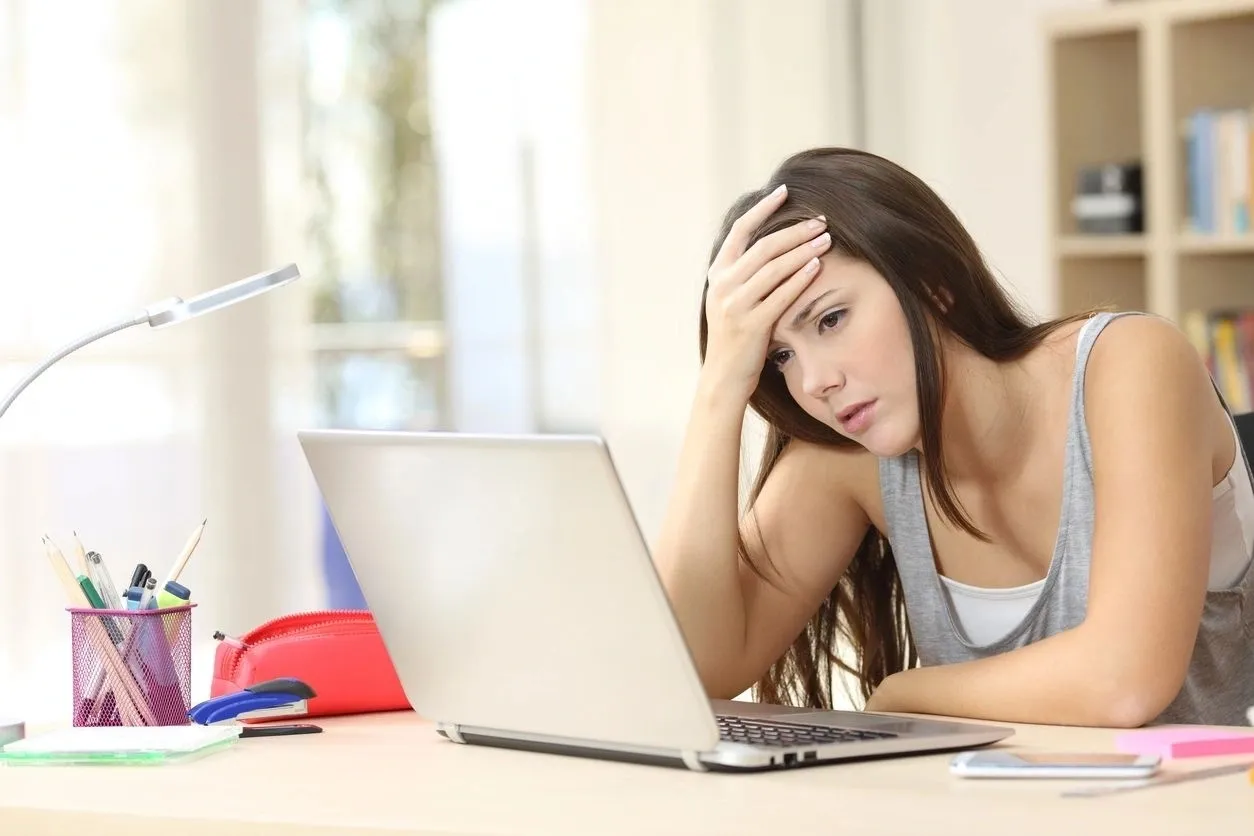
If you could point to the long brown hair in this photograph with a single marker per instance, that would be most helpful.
(880, 214)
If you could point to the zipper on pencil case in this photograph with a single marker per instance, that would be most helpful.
(235, 657)
(286, 626)
(301, 621)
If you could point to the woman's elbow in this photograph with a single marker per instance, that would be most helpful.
(1134, 701)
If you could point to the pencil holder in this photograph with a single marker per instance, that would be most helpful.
(131, 667)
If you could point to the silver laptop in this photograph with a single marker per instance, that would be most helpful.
(520, 605)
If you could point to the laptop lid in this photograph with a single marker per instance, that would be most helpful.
(511, 585)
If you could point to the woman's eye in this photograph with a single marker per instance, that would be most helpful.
(779, 358)
(830, 320)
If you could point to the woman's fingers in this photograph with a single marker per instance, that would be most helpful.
(769, 276)
(786, 293)
(738, 236)
(776, 245)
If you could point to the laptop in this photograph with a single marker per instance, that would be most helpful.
(520, 605)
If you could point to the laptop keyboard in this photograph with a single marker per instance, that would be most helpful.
(777, 733)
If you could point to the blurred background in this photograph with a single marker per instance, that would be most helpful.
(502, 210)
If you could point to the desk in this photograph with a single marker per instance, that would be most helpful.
(390, 773)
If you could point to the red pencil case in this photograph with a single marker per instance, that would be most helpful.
(337, 653)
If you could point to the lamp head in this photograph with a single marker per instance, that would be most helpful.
(175, 310)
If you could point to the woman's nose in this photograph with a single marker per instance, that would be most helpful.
(821, 379)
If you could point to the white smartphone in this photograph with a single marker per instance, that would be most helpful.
(999, 764)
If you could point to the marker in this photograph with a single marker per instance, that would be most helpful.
(138, 577)
(97, 603)
(174, 595)
(133, 594)
(146, 601)
(93, 597)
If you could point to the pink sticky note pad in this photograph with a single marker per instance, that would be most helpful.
(1186, 741)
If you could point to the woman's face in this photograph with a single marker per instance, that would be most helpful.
(845, 352)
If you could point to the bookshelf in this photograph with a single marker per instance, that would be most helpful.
(1168, 84)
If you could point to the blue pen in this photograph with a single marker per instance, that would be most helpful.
(147, 601)
(133, 594)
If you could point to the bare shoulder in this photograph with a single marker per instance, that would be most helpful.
(1139, 351)
(828, 475)
(1144, 371)
(811, 515)
(844, 467)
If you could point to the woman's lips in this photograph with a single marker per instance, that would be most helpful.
(856, 418)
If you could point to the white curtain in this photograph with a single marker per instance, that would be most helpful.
(154, 147)
(157, 147)
(134, 137)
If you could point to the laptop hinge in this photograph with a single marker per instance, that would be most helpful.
(690, 758)
(693, 761)
(451, 731)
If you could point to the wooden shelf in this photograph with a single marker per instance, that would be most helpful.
(1122, 80)
(1193, 244)
(1101, 246)
(1081, 23)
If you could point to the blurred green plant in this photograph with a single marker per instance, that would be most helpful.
(385, 84)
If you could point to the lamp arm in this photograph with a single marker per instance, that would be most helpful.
(137, 319)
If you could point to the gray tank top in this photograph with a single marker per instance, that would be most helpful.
(1219, 687)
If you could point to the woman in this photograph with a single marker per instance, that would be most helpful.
(1054, 519)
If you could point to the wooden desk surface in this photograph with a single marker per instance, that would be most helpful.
(390, 773)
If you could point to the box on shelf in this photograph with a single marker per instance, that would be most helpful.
(1109, 199)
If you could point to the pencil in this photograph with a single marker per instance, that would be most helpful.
(130, 701)
(73, 592)
(181, 563)
(81, 554)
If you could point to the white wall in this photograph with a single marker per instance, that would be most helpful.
(690, 103)
(956, 93)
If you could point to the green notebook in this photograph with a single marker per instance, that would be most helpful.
(120, 744)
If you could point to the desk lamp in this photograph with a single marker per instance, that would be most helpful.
(168, 312)
(159, 315)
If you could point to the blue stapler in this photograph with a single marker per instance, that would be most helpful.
(284, 697)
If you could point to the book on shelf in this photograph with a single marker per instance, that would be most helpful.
(1225, 339)
(1219, 177)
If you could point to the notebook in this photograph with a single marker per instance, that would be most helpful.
(1187, 741)
(120, 744)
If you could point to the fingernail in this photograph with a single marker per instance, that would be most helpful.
(815, 224)
(822, 240)
(779, 190)
(812, 265)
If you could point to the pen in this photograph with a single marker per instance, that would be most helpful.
(103, 581)
(125, 690)
(146, 601)
(98, 603)
(229, 640)
(138, 577)
(188, 548)
(89, 591)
